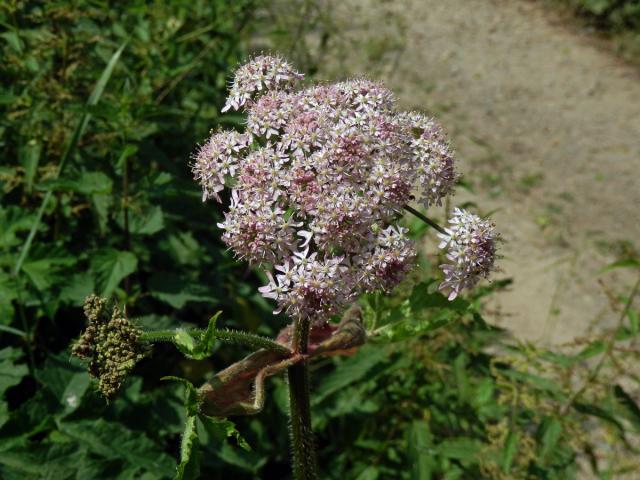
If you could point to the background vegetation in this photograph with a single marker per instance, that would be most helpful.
(102, 104)
(619, 19)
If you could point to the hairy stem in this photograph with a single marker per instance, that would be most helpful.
(304, 454)
(159, 336)
(255, 342)
(425, 219)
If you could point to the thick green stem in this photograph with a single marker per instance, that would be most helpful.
(304, 454)
(159, 336)
(255, 342)
(425, 219)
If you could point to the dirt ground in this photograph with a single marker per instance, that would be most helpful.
(546, 124)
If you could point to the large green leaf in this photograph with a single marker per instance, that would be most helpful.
(113, 441)
(77, 288)
(87, 183)
(145, 221)
(11, 374)
(67, 379)
(8, 293)
(177, 291)
(45, 272)
(349, 372)
(110, 267)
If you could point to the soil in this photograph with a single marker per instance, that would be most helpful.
(546, 125)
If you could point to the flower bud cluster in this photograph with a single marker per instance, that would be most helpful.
(318, 181)
(110, 343)
(470, 244)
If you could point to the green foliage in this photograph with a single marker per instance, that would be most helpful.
(217, 430)
(101, 105)
(199, 346)
(56, 433)
(611, 14)
(617, 19)
(460, 399)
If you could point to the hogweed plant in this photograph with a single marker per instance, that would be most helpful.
(318, 182)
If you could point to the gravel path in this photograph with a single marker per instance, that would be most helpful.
(547, 129)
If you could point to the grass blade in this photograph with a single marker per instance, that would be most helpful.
(82, 125)
(14, 331)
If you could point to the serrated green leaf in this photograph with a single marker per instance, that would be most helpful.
(189, 466)
(39, 462)
(185, 342)
(12, 221)
(113, 441)
(198, 345)
(145, 221)
(207, 339)
(88, 183)
(221, 428)
(111, 267)
(11, 372)
(191, 401)
(78, 287)
(67, 379)
(249, 461)
(177, 291)
(8, 293)
(44, 272)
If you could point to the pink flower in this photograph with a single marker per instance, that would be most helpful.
(470, 243)
(318, 181)
(263, 73)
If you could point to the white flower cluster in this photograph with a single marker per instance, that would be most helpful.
(470, 243)
(318, 180)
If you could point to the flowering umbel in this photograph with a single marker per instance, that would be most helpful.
(318, 181)
(110, 343)
(470, 243)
